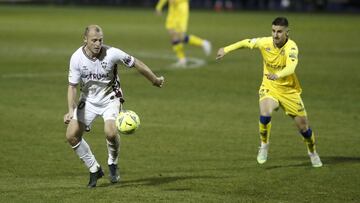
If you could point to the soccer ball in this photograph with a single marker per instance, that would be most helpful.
(127, 122)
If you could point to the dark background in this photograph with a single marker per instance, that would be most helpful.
(352, 6)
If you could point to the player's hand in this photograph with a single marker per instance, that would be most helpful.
(68, 117)
(220, 53)
(159, 82)
(158, 13)
(271, 76)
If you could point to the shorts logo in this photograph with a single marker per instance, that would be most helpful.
(263, 92)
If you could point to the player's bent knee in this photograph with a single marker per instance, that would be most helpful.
(111, 135)
(73, 133)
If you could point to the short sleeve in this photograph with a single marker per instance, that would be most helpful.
(126, 59)
(74, 71)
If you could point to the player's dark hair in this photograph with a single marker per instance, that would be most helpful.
(281, 21)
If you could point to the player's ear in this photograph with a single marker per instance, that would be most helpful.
(85, 39)
(287, 32)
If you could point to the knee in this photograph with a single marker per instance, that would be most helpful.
(73, 136)
(111, 133)
(302, 124)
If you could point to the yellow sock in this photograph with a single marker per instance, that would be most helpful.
(310, 143)
(195, 41)
(179, 50)
(264, 131)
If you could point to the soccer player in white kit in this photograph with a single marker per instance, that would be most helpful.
(94, 67)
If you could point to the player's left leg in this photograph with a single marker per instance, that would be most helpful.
(309, 139)
(294, 106)
(113, 145)
(199, 42)
(112, 139)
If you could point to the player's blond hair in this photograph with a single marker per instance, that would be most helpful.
(92, 27)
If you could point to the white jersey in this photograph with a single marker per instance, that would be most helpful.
(98, 77)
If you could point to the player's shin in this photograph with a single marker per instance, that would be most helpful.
(309, 139)
(194, 40)
(264, 129)
(82, 149)
(178, 48)
(113, 147)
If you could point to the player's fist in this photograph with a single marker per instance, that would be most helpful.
(158, 13)
(271, 76)
(68, 117)
(221, 53)
(159, 81)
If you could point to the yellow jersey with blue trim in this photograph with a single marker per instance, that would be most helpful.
(280, 61)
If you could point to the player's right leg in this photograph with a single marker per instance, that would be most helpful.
(178, 47)
(74, 133)
(267, 106)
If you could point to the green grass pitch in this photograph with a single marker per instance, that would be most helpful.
(199, 134)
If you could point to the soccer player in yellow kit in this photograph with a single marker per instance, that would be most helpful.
(176, 24)
(280, 86)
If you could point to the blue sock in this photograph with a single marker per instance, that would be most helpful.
(186, 39)
(175, 42)
(265, 119)
(307, 134)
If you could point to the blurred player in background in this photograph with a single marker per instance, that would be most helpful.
(176, 24)
(280, 86)
(94, 67)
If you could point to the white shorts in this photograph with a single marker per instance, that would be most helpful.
(86, 112)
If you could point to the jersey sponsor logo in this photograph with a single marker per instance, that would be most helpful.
(94, 76)
(84, 68)
(268, 49)
(273, 66)
(301, 107)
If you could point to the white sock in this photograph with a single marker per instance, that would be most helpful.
(264, 144)
(82, 149)
(113, 151)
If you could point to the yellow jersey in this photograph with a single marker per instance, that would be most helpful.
(172, 4)
(280, 61)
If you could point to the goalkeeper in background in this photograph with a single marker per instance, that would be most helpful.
(280, 86)
(176, 24)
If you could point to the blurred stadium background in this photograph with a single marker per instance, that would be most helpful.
(219, 5)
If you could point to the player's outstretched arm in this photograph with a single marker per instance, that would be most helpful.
(159, 6)
(246, 43)
(220, 54)
(146, 71)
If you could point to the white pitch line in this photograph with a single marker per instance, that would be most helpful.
(32, 75)
(192, 63)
